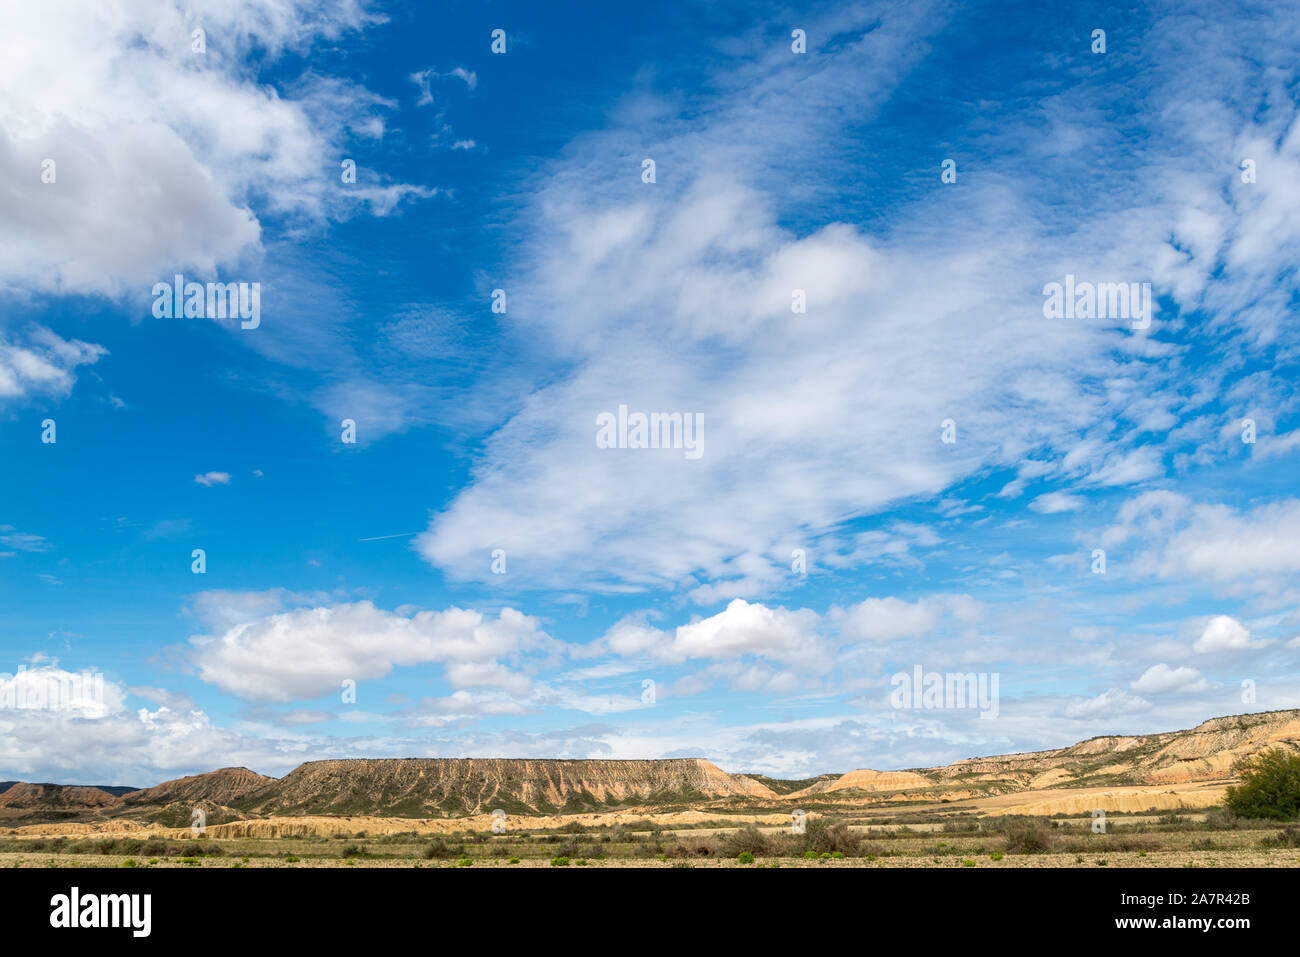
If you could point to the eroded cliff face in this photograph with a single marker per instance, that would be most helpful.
(1204, 753)
(429, 786)
(218, 787)
(68, 797)
(446, 787)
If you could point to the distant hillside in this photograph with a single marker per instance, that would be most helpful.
(64, 797)
(439, 787)
(222, 787)
(793, 785)
(422, 787)
(1204, 753)
(114, 789)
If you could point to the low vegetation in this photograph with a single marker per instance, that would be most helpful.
(1269, 788)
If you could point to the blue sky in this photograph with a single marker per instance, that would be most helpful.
(823, 430)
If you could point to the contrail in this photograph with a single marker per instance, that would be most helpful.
(380, 538)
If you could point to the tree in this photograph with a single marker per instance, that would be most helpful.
(1270, 786)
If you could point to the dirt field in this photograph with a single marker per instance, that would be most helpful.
(1158, 827)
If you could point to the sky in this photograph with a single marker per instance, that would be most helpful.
(400, 507)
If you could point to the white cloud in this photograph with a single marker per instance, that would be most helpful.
(884, 619)
(42, 363)
(213, 478)
(1223, 633)
(750, 629)
(1258, 547)
(308, 652)
(678, 298)
(1114, 701)
(1161, 679)
(160, 152)
(1050, 503)
(10, 537)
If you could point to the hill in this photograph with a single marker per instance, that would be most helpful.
(221, 787)
(422, 787)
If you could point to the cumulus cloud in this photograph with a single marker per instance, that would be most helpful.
(160, 153)
(749, 629)
(1162, 679)
(213, 478)
(1224, 633)
(308, 652)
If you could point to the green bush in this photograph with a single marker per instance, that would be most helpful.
(559, 862)
(1270, 786)
(353, 850)
(827, 838)
(996, 856)
(440, 848)
(744, 857)
(745, 840)
(465, 862)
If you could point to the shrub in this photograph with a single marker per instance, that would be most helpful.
(1270, 786)
(440, 848)
(559, 862)
(353, 850)
(746, 840)
(129, 862)
(810, 855)
(744, 857)
(1222, 819)
(292, 859)
(154, 848)
(996, 856)
(1287, 837)
(465, 862)
(514, 860)
(1025, 835)
(968, 863)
